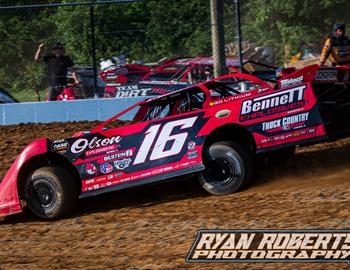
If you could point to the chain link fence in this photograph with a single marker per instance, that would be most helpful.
(52, 50)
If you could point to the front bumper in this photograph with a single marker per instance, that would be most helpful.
(9, 201)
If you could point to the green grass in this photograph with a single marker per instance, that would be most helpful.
(29, 95)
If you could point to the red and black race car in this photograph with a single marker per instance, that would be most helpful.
(214, 129)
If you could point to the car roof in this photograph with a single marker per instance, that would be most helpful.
(203, 60)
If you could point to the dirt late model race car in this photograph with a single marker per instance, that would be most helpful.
(214, 129)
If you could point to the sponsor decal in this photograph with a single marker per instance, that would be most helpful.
(146, 174)
(90, 181)
(120, 154)
(91, 169)
(97, 186)
(191, 145)
(122, 164)
(60, 146)
(101, 150)
(263, 90)
(101, 179)
(312, 130)
(229, 99)
(290, 82)
(106, 168)
(132, 93)
(285, 121)
(326, 75)
(127, 87)
(281, 101)
(271, 246)
(170, 168)
(192, 155)
(82, 144)
(222, 113)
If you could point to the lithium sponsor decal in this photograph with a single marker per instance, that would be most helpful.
(271, 246)
(326, 75)
(82, 144)
(290, 82)
(229, 99)
(281, 101)
(285, 121)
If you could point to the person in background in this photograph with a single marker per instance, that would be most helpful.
(337, 47)
(57, 64)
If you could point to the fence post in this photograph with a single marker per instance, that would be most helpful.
(93, 46)
(238, 36)
(218, 38)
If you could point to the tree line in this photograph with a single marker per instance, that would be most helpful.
(154, 29)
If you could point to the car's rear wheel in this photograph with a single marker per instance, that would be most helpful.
(50, 192)
(228, 168)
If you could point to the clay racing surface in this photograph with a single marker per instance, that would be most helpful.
(154, 227)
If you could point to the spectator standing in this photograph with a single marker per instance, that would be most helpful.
(57, 64)
(337, 48)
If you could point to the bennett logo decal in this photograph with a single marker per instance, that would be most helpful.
(122, 164)
(60, 146)
(271, 245)
(326, 75)
(81, 144)
(286, 100)
(106, 168)
(290, 82)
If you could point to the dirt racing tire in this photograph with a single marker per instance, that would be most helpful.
(50, 192)
(228, 168)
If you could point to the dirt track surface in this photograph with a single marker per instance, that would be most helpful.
(154, 227)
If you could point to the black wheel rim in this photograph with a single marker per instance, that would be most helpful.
(41, 195)
(222, 171)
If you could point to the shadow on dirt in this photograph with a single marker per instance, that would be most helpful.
(304, 165)
(145, 196)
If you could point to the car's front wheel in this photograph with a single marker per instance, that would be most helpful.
(228, 168)
(50, 192)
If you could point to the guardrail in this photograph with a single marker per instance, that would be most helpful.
(64, 111)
